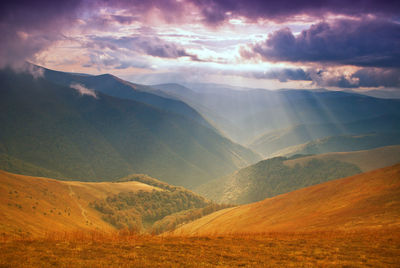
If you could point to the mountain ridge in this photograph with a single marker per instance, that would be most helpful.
(79, 136)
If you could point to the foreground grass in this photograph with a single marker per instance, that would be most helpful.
(358, 248)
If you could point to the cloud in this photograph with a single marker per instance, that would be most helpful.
(216, 11)
(26, 67)
(82, 90)
(368, 42)
(364, 78)
(27, 27)
(149, 45)
(284, 75)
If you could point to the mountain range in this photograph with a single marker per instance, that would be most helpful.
(70, 130)
(244, 114)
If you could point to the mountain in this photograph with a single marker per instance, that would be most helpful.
(368, 200)
(343, 143)
(384, 94)
(37, 205)
(116, 87)
(366, 160)
(280, 175)
(34, 206)
(272, 177)
(74, 133)
(277, 140)
(244, 114)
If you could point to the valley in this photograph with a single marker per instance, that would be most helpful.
(99, 171)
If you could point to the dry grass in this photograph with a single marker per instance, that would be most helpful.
(350, 249)
(368, 200)
(34, 205)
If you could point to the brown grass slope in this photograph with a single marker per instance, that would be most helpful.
(366, 160)
(368, 200)
(34, 205)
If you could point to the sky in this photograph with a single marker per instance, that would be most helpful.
(333, 44)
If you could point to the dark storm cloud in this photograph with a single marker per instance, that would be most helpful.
(215, 11)
(365, 77)
(374, 43)
(373, 77)
(283, 75)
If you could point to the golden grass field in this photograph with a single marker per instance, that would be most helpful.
(361, 248)
(34, 206)
(367, 200)
(350, 222)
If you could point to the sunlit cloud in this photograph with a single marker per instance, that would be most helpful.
(263, 43)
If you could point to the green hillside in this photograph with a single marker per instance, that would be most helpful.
(273, 141)
(116, 87)
(155, 211)
(272, 177)
(49, 129)
(343, 143)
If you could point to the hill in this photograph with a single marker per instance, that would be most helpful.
(79, 134)
(366, 160)
(368, 200)
(276, 140)
(343, 143)
(272, 177)
(279, 175)
(35, 206)
(38, 205)
(244, 114)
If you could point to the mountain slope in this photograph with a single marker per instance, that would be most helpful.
(279, 175)
(368, 200)
(343, 143)
(32, 205)
(366, 160)
(246, 114)
(38, 205)
(116, 87)
(277, 140)
(272, 177)
(62, 132)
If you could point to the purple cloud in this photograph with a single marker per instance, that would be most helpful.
(27, 27)
(374, 43)
(365, 77)
(152, 46)
(215, 11)
(283, 75)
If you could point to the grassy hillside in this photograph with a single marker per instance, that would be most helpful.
(368, 200)
(366, 160)
(272, 177)
(35, 206)
(343, 143)
(52, 130)
(273, 141)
